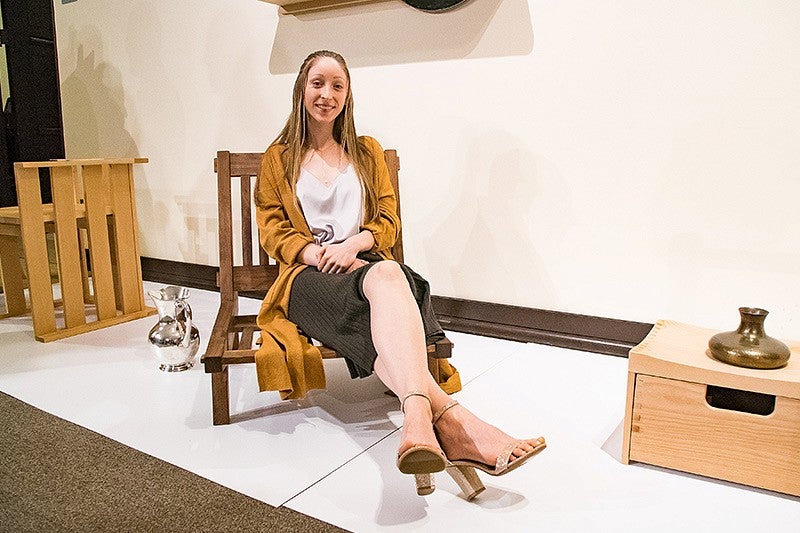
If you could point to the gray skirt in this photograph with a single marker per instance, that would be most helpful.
(332, 309)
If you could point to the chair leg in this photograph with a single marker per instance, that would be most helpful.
(219, 397)
(433, 367)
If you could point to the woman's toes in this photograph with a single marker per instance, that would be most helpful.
(522, 449)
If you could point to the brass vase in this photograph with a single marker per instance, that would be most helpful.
(749, 346)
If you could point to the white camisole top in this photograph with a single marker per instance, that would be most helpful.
(333, 212)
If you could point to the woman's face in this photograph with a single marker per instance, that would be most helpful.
(325, 91)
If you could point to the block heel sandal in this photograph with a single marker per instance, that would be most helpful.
(463, 470)
(422, 460)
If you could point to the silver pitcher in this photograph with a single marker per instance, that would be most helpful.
(174, 340)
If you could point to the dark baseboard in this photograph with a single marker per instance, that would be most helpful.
(182, 274)
(555, 328)
(565, 330)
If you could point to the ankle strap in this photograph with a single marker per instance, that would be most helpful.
(409, 395)
(443, 410)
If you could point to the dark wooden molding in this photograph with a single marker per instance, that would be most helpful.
(177, 273)
(555, 328)
(565, 330)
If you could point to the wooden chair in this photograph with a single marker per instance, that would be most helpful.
(231, 340)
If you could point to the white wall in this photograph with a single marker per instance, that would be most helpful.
(629, 159)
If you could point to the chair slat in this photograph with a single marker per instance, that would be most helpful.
(246, 342)
(130, 292)
(94, 176)
(240, 322)
(31, 217)
(69, 253)
(13, 276)
(247, 227)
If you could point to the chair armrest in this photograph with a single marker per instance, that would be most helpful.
(218, 339)
(441, 349)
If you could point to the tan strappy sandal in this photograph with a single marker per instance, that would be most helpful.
(463, 470)
(422, 460)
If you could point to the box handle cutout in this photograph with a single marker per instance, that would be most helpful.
(740, 400)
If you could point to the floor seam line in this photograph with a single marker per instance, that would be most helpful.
(318, 481)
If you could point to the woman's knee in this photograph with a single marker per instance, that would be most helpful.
(384, 275)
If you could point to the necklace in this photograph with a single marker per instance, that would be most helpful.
(325, 150)
(322, 169)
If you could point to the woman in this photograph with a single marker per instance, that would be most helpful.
(327, 214)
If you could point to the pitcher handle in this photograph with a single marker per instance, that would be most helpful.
(181, 305)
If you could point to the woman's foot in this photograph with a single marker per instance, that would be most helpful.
(465, 437)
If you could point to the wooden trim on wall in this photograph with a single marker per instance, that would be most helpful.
(554, 328)
(182, 274)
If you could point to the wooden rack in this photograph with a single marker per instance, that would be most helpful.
(92, 222)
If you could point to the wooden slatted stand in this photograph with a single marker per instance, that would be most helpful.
(687, 411)
(93, 222)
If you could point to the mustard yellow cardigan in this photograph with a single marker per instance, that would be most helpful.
(286, 361)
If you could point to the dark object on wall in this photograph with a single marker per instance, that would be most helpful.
(749, 346)
(434, 5)
(32, 117)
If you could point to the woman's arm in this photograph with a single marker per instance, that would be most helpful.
(278, 235)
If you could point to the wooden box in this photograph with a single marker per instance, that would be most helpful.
(687, 411)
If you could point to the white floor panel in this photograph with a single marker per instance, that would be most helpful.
(332, 455)
(577, 484)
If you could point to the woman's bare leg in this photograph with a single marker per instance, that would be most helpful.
(399, 339)
(402, 365)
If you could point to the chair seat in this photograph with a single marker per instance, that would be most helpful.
(244, 332)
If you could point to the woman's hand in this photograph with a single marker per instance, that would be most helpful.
(340, 257)
(336, 258)
(310, 254)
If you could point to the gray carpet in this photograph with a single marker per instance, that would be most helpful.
(58, 476)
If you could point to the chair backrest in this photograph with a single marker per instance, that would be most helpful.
(237, 172)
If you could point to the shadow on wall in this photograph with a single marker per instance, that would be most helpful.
(93, 106)
(390, 33)
(493, 245)
(94, 98)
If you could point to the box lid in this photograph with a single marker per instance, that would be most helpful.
(680, 351)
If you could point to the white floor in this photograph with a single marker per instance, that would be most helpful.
(332, 455)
